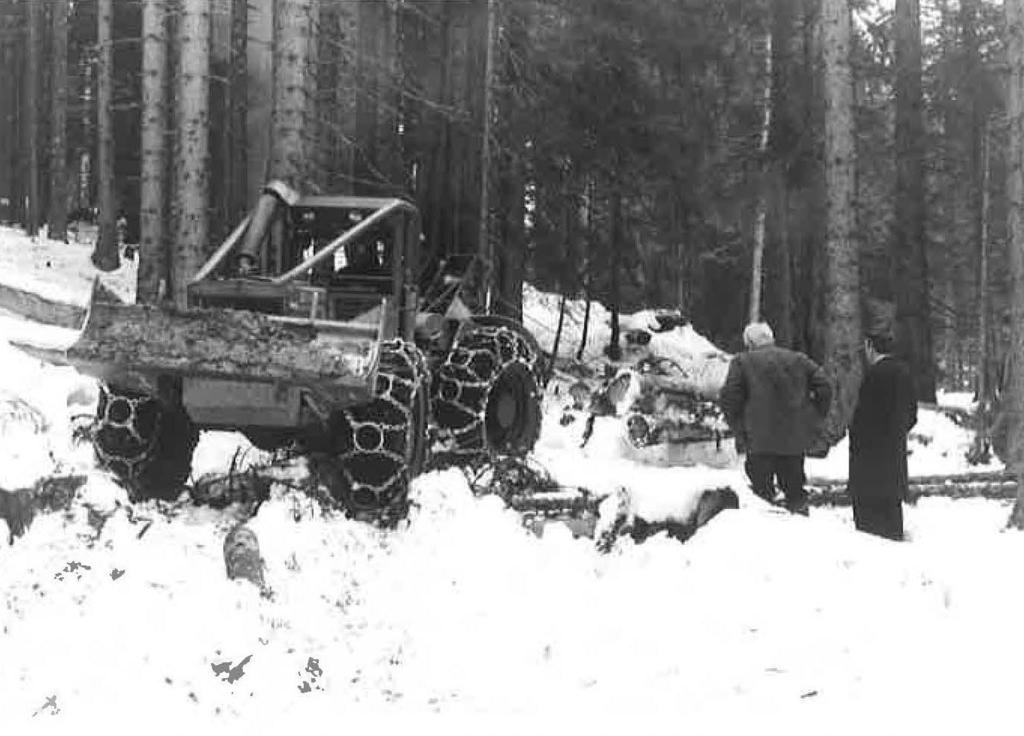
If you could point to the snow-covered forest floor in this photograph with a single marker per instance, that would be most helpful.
(115, 612)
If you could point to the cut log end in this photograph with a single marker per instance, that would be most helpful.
(242, 556)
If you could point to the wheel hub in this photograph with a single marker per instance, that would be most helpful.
(506, 409)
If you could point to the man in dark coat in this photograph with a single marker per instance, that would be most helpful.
(886, 410)
(775, 400)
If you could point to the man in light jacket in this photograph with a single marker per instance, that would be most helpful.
(775, 401)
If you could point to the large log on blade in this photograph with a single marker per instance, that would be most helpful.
(120, 342)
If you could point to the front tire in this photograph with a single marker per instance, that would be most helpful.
(486, 397)
(378, 447)
(145, 442)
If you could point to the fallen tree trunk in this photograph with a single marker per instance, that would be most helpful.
(990, 485)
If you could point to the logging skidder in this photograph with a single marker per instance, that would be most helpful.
(307, 328)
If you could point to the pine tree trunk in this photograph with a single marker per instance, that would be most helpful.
(440, 216)
(339, 91)
(468, 58)
(909, 256)
(57, 219)
(586, 330)
(390, 109)
(105, 256)
(239, 173)
(371, 19)
(18, 148)
(32, 89)
(558, 330)
(485, 241)
(291, 151)
(985, 389)
(614, 344)
(757, 261)
(1013, 411)
(783, 145)
(842, 301)
(191, 190)
(153, 243)
(980, 451)
(84, 159)
(259, 95)
(967, 189)
(8, 130)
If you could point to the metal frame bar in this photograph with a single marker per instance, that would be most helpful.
(222, 251)
(395, 205)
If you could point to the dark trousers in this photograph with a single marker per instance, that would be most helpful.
(788, 470)
(880, 516)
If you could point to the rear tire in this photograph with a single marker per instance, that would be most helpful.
(146, 443)
(375, 449)
(486, 396)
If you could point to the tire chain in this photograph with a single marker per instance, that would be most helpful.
(126, 463)
(377, 436)
(463, 384)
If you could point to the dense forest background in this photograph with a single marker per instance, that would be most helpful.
(643, 153)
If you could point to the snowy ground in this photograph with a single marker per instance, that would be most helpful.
(762, 621)
(57, 271)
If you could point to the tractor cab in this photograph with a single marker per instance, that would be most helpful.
(331, 258)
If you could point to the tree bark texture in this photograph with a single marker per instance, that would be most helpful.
(783, 150)
(985, 387)
(760, 215)
(427, 71)
(1013, 405)
(105, 256)
(508, 173)
(153, 242)
(485, 241)
(337, 94)
(8, 127)
(842, 301)
(291, 153)
(558, 330)
(614, 344)
(192, 135)
(370, 61)
(259, 97)
(32, 94)
(239, 174)
(913, 313)
(971, 89)
(19, 157)
(584, 333)
(57, 218)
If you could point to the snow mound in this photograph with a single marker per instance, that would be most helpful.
(59, 271)
(681, 344)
